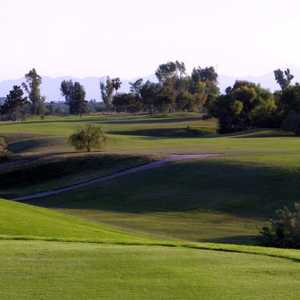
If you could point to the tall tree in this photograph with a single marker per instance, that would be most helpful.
(78, 104)
(204, 82)
(14, 104)
(66, 88)
(74, 94)
(108, 90)
(150, 94)
(205, 74)
(170, 70)
(135, 87)
(33, 88)
(283, 78)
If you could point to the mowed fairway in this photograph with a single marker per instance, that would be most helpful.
(225, 199)
(166, 233)
(38, 261)
(43, 270)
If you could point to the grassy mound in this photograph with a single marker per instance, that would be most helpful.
(20, 221)
(62, 170)
(220, 199)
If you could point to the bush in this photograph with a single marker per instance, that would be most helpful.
(87, 138)
(284, 229)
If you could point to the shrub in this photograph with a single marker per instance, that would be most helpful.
(87, 138)
(284, 229)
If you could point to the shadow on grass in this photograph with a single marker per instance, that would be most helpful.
(239, 189)
(29, 144)
(153, 120)
(61, 167)
(113, 119)
(167, 132)
(237, 239)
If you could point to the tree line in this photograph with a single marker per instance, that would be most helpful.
(245, 105)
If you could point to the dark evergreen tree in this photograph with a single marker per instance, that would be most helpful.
(14, 105)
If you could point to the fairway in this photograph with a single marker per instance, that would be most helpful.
(85, 271)
(166, 233)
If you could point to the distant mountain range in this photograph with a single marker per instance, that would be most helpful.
(51, 85)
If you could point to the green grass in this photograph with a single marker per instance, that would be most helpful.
(62, 170)
(20, 221)
(43, 270)
(41, 135)
(222, 199)
(49, 255)
(138, 237)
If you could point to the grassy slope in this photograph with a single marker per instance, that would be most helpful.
(222, 199)
(43, 270)
(22, 221)
(264, 169)
(62, 170)
(51, 270)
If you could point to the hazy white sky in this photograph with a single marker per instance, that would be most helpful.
(129, 38)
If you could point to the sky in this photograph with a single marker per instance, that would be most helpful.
(130, 38)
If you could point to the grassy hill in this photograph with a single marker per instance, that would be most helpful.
(223, 199)
(46, 254)
(39, 263)
(20, 221)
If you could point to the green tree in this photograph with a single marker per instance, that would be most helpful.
(170, 70)
(244, 106)
(14, 104)
(108, 90)
(205, 81)
(127, 102)
(135, 87)
(205, 74)
(283, 78)
(67, 89)
(33, 88)
(88, 138)
(74, 94)
(78, 104)
(150, 92)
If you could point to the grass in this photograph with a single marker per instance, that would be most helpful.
(217, 200)
(22, 221)
(226, 199)
(145, 236)
(62, 170)
(43, 270)
(49, 255)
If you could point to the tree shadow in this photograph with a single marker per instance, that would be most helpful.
(235, 239)
(18, 147)
(244, 190)
(166, 132)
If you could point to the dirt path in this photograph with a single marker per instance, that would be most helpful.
(84, 183)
